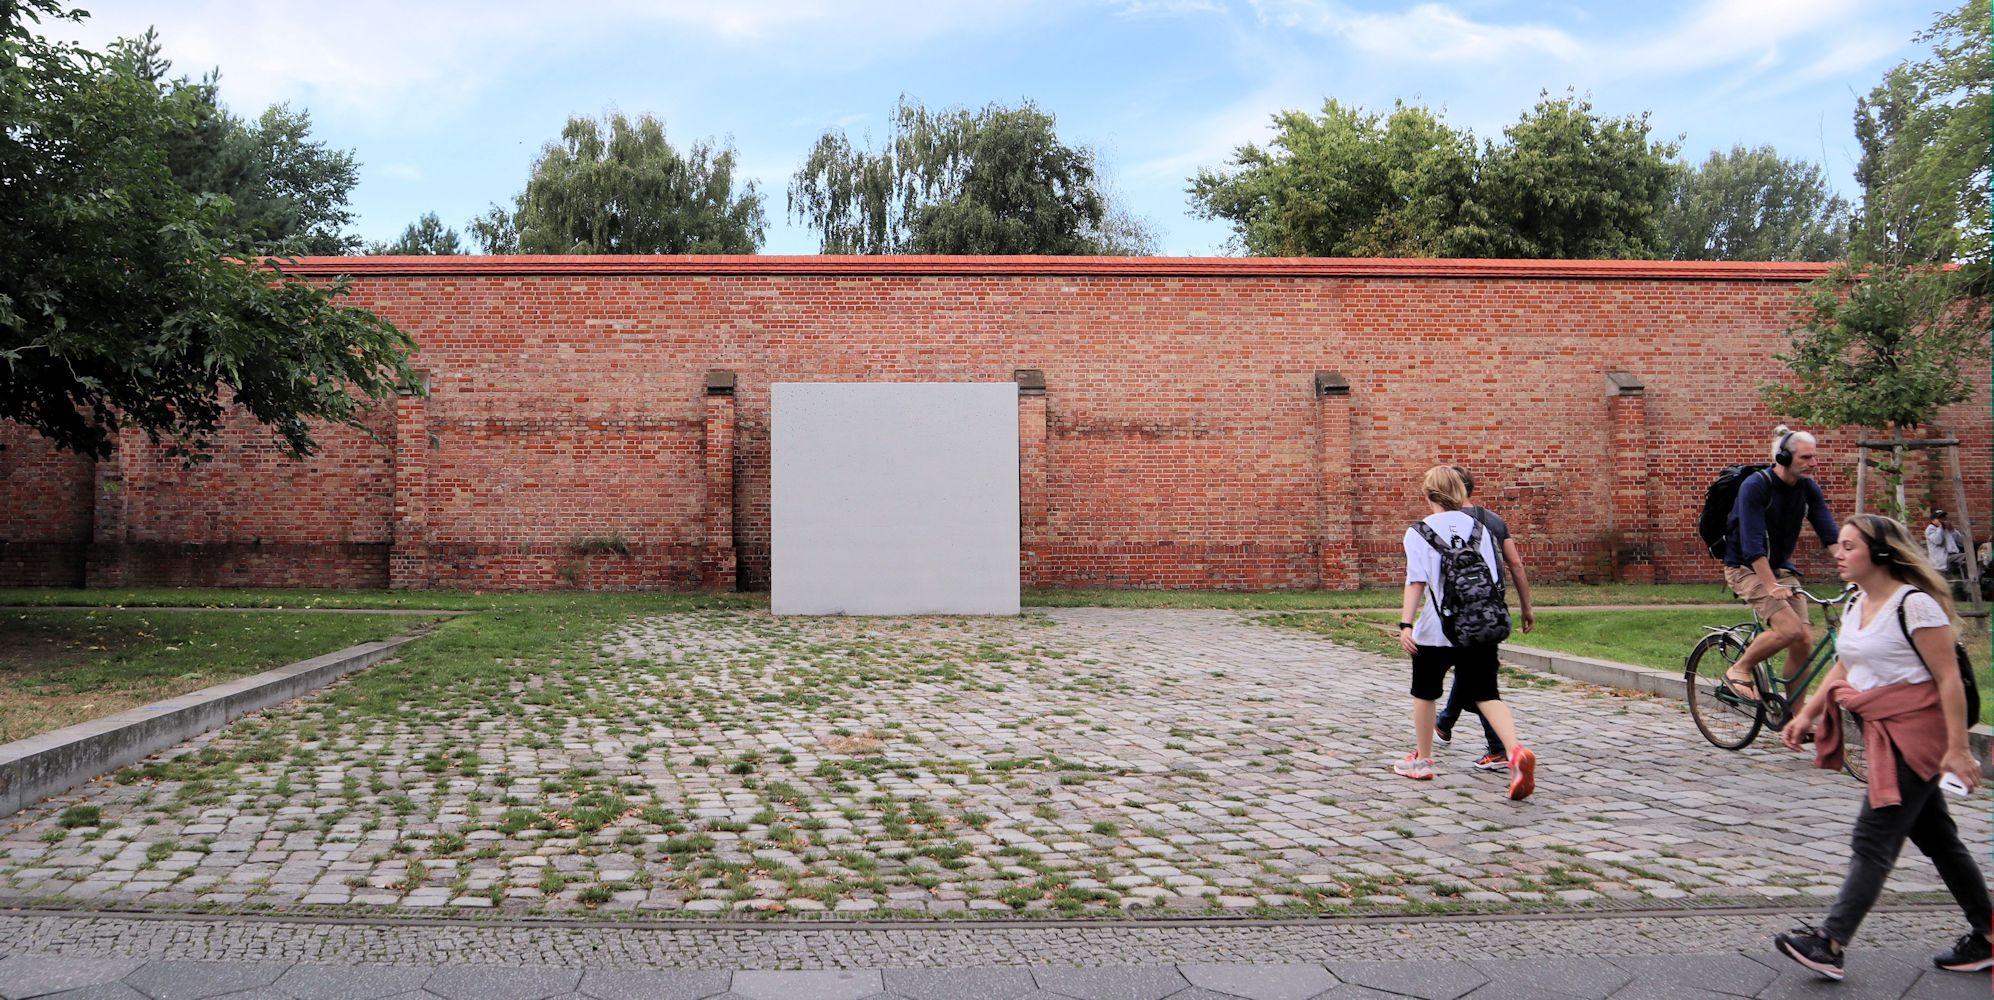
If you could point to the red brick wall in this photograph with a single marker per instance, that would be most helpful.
(45, 515)
(1183, 442)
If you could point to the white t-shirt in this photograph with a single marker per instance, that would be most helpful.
(1878, 654)
(1422, 565)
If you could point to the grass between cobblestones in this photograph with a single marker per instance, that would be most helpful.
(58, 668)
(691, 754)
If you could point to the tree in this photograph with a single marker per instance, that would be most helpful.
(1890, 339)
(1569, 184)
(121, 304)
(1751, 204)
(616, 187)
(1563, 183)
(287, 194)
(995, 181)
(423, 237)
(1348, 184)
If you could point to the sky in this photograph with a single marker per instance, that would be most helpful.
(446, 103)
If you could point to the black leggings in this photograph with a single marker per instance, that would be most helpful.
(1879, 837)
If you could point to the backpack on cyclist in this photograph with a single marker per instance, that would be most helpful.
(1472, 612)
(1959, 654)
(1715, 524)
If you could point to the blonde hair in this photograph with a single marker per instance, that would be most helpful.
(1444, 486)
(1907, 562)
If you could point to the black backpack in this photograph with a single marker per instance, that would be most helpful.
(1714, 525)
(1472, 612)
(1959, 653)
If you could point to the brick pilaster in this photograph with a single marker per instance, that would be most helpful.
(718, 561)
(1633, 506)
(408, 554)
(1032, 527)
(104, 559)
(1339, 563)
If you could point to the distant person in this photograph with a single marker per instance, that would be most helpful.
(1496, 756)
(1452, 616)
(1944, 548)
(1895, 669)
(1758, 557)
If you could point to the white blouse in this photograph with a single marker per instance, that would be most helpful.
(1879, 654)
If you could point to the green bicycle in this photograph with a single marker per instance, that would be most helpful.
(1732, 721)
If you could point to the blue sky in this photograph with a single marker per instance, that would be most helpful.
(446, 103)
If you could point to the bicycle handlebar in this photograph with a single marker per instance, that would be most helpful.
(1843, 595)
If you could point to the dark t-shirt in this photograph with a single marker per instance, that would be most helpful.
(1498, 530)
(1496, 526)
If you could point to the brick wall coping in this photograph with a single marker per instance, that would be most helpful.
(1135, 267)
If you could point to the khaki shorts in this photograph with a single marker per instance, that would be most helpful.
(1747, 585)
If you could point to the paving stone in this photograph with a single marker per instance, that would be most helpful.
(1439, 979)
(349, 982)
(606, 984)
(1592, 978)
(960, 984)
(1867, 972)
(1938, 984)
(836, 984)
(1732, 974)
(502, 983)
(200, 980)
(1260, 982)
(31, 975)
(1113, 983)
(102, 991)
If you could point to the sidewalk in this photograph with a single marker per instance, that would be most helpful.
(1677, 957)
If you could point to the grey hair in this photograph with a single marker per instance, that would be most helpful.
(1780, 433)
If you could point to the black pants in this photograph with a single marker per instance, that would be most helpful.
(1452, 714)
(1879, 836)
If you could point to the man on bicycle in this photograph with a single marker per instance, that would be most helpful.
(1758, 556)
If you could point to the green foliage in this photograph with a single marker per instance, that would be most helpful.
(121, 304)
(286, 195)
(618, 187)
(995, 181)
(1887, 342)
(1570, 184)
(425, 237)
(1877, 348)
(1752, 204)
(1349, 184)
(1564, 183)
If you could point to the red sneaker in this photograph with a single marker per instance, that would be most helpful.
(1522, 773)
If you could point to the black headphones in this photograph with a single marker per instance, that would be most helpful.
(1880, 551)
(1783, 455)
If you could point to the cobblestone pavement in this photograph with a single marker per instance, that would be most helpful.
(1071, 762)
(1632, 957)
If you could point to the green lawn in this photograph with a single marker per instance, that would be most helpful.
(1546, 595)
(1658, 639)
(58, 668)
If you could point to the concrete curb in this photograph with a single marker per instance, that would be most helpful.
(1668, 684)
(53, 762)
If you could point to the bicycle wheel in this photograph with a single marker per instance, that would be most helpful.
(1855, 754)
(1725, 719)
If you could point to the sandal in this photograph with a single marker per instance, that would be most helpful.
(1745, 690)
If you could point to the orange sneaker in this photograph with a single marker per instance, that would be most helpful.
(1522, 773)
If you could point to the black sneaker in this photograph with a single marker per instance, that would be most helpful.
(1971, 953)
(1445, 734)
(1812, 949)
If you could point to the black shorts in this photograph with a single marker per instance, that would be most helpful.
(1474, 672)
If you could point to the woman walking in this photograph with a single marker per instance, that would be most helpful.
(1451, 586)
(1896, 670)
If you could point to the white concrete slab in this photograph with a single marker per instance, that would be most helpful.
(894, 498)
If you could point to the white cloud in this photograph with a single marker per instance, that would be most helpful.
(400, 171)
(1428, 32)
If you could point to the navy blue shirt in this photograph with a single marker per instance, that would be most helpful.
(1768, 515)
